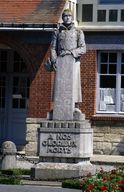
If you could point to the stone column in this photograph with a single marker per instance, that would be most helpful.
(8, 155)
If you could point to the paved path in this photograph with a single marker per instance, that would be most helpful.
(23, 188)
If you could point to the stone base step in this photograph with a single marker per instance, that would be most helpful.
(55, 184)
(60, 171)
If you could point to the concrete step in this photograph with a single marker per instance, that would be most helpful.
(55, 184)
(107, 159)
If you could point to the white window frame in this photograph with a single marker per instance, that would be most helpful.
(100, 25)
(118, 85)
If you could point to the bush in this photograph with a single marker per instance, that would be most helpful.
(112, 181)
(10, 180)
(71, 183)
(16, 172)
(12, 176)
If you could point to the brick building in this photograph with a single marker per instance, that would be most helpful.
(26, 28)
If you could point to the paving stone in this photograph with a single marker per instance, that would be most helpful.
(24, 188)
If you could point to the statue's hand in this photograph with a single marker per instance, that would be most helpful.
(53, 57)
(63, 53)
(53, 60)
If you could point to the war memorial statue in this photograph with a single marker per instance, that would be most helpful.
(65, 140)
(67, 46)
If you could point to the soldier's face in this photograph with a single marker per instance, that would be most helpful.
(67, 18)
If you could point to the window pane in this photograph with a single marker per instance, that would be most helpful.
(87, 12)
(20, 91)
(113, 15)
(122, 15)
(122, 82)
(107, 99)
(15, 103)
(101, 15)
(103, 69)
(122, 69)
(2, 92)
(122, 93)
(112, 69)
(16, 56)
(104, 57)
(122, 100)
(3, 55)
(122, 57)
(3, 61)
(22, 103)
(19, 65)
(3, 66)
(113, 57)
(107, 81)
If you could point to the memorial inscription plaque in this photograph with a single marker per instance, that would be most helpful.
(74, 142)
(60, 144)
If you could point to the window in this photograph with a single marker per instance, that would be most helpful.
(3, 60)
(19, 65)
(20, 91)
(2, 91)
(20, 83)
(113, 15)
(122, 15)
(87, 12)
(111, 82)
(101, 15)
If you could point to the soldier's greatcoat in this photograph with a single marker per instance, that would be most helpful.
(68, 66)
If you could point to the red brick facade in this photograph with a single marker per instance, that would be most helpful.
(40, 92)
(88, 78)
(41, 88)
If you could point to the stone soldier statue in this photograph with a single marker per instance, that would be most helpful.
(67, 46)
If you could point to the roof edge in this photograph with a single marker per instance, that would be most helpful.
(28, 26)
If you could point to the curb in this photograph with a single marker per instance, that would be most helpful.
(42, 183)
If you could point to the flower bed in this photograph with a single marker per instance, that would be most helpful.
(112, 181)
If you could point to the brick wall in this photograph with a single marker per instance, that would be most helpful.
(40, 88)
(88, 79)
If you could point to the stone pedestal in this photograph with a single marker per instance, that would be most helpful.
(56, 171)
(65, 148)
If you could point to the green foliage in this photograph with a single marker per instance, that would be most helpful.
(71, 183)
(112, 181)
(16, 172)
(9, 180)
(12, 176)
